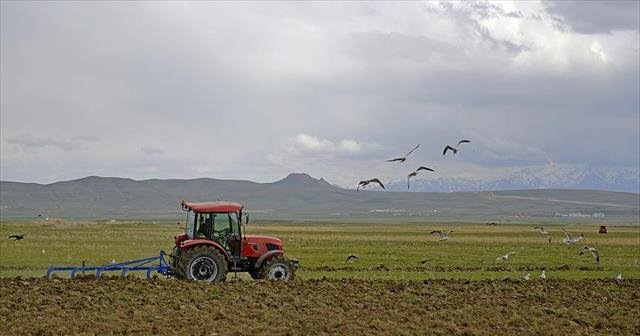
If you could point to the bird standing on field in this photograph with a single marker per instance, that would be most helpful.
(543, 275)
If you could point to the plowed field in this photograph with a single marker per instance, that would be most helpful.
(113, 306)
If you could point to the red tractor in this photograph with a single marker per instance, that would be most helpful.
(215, 243)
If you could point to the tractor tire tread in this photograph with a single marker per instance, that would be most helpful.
(264, 268)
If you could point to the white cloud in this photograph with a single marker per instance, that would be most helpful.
(350, 146)
(309, 144)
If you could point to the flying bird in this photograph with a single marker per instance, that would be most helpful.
(442, 235)
(544, 233)
(543, 275)
(351, 257)
(454, 149)
(404, 158)
(17, 237)
(425, 261)
(365, 183)
(593, 252)
(414, 173)
(570, 238)
(505, 257)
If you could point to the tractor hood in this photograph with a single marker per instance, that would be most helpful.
(263, 239)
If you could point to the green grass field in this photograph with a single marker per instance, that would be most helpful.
(386, 251)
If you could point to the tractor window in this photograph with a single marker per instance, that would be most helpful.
(221, 222)
(233, 222)
(190, 224)
(205, 225)
(217, 226)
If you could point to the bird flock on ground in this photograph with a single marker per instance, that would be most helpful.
(569, 239)
(364, 183)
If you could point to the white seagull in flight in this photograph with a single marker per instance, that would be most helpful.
(544, 233)
(593, 252)
(442, 235)
(570, 238)
(505, 257)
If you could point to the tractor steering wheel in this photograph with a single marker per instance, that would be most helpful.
(234, 236)
(224, 234)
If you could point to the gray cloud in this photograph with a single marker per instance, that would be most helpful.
(185, 90)
(597, 17)
(31, 142)
(151, 150)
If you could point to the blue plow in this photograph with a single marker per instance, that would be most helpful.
(151, 264)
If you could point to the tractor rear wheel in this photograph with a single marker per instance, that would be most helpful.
(204, 263)
(277, 269)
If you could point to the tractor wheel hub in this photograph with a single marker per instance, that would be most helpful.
(204, 269)
(278, 272)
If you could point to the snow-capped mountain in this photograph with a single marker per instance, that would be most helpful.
(625, 179)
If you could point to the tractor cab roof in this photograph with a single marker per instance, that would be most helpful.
(211, 207)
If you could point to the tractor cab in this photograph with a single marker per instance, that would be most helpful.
(214, 242)
(220, 222)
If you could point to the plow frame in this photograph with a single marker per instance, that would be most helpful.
(142, 264)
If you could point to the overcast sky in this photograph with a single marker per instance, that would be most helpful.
(259, 90)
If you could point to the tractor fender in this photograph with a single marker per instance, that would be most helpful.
(267, 256)
(194, 242)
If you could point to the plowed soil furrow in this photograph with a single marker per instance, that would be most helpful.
(318, 307)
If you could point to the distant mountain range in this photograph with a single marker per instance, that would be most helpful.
(541, 177)
(300, 197)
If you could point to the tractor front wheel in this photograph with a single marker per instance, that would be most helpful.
(204, 263)
(277, 269)
(255, 274)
